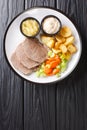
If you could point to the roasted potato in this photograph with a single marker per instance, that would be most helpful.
(69, 40)
(65, 32)
(63, 42)
(60, 39)
(49, 41)
(71, 48)
(63, 48)
(56, 51)
(57, 44)
(45, 38)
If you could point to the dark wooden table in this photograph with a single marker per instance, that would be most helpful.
(28, 106)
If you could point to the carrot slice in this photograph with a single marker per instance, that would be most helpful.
(50, 60)
(53, 64)
(56, 58)
(47, 70)
(50, 74)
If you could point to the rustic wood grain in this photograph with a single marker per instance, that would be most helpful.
(11, 86)
(39, 107)
(39, 100)
(32, 3)
(71, 97)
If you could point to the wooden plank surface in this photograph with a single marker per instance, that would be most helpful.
(71, 96)
(39, 100)
(11, 86)
(39, 107)
(32, 3)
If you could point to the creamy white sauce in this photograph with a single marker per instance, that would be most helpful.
(51, 25)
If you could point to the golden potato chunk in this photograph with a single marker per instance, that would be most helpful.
(56, 51)
(65, 32)
(45, 38)
(49, 41)
(72, 49)
(63, 48)
(57, 44)
(59, 38)
(69, 40)
(63, 42)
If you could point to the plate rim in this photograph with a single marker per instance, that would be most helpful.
(38, 7)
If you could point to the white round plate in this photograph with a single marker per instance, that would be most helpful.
(13, 37)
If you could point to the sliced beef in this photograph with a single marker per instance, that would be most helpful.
(28, 56)
(16, 63)
(27, 62)
(34, 50)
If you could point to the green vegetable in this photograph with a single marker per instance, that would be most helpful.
(50, 53)
(40, 72)
(58, 67)
(63, 65)
(58, 74)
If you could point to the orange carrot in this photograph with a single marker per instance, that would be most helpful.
(53, 64)
(47, 70)
(50, 74)
(58, 60)
(48, 61)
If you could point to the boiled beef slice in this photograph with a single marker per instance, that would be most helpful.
(34, 50)
(23, 59)
(16, 63)
(28, 56)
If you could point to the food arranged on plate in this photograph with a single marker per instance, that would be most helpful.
(62, 48)
(47, 55)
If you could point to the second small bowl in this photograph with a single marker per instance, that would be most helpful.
(51, 25)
